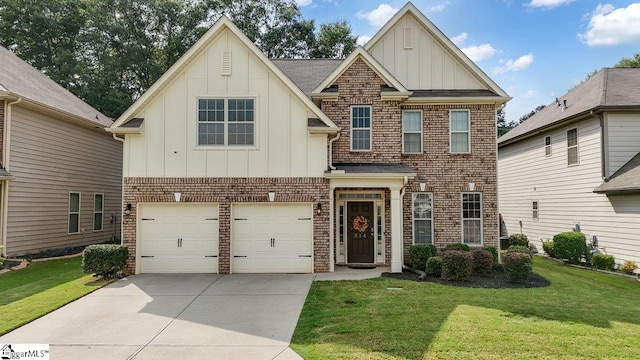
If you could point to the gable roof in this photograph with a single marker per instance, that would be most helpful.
(18, 79)
(361, 53)
(220, 25)
(608, 89)
(307, 74)
(411, 9)
(626, 179)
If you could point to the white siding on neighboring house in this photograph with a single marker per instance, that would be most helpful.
(623, 139)
(565, 193)
(49, 159)
(168, 144)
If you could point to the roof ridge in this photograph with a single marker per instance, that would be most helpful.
(605, 83)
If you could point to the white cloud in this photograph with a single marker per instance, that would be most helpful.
(379, 16)
(549, 4)
(510, 65)
(438, 8)
(459, 40)
(611, 26)
(302, 3)
(529, 94)
(362, 39)
(479, 52)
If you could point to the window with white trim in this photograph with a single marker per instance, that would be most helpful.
(460, 131)
(226, 121)
(572, 147)
(74, 212)
(422, 218)
(98, 211)
(472, 218)
(412, 131)
(534, 210)
(547, 146)
(361, 128)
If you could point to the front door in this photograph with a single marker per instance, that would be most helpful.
(360, 232)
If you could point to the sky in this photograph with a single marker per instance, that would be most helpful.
(536, 50)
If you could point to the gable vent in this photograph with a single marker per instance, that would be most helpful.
(226, 63)
(408, 38)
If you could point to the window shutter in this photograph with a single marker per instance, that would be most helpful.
(408, 38)
(226, 63)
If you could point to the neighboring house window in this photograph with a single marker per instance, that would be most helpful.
(361, 128)
(74, 213)
(460, 126)
(226, 122)
(472, 218)
(534, 209)
(422, 218)
(547, 146)
(412, 132)
(572, 147)
(98, 211)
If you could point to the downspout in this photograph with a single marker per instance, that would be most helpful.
(331, 167)
(402, 191)
(603, 165)
(115, 136)
(5, 162)
(332, 237)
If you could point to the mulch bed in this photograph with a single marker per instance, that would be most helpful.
(495, 280)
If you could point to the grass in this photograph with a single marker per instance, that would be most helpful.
(40, 288)
(582, 315)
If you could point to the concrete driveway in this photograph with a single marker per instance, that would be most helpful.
(182, 316)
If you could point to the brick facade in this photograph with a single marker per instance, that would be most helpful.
(224, 192)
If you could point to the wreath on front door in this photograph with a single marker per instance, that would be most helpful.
(360, 223)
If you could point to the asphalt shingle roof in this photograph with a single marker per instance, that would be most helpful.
(307, 74)
(363, 168)
(627, 178)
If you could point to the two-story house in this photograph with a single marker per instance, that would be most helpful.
(234, 162)
(575, 165)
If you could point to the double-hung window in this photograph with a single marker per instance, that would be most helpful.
(226, 122)
(98, 211)
(472, 218)
(74, 212)
(361, 128)
(460, 128)
(422, 218)
(412, 132)
(535, 210)
(547, 146)
(572, 147)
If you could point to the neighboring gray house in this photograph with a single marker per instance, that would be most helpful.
(61, 172)
(577, 161)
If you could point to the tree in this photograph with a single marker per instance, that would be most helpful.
(334, 41)
(632, 62)
(523, 118)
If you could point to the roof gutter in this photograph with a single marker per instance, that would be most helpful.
(331, 167)
(5, 163)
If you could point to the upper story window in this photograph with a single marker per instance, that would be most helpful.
(361, 128)
(412, 132)
(74, 213)
(460, 128)
(547, 146)
(572, 147)
(226, 122)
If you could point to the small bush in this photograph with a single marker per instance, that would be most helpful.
(570, 246)
(456, 265)
(517, 266)
(458, 246)
(482, 261)
(520, 249)
(518, 239)
(104, 260)
(547, 246)
(419, 254)
(628, 267)
(603, 262)
(434, 266)
(494, 253)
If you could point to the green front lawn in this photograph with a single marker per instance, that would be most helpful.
(583, 314)
(40, 288)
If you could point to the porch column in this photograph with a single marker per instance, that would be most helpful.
(396, 231)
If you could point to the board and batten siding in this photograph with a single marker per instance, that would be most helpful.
(167, 146)
(428, 64)
(622, 134)
(565, 193)
(49, 159)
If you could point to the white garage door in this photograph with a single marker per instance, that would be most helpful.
(272, 238)
(178, 238)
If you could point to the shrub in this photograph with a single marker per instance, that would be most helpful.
(456, 265)
(104, 260)
(570, 246)
(520, 249)
(517, 266)
(482, 261)
(603, 262)
(434, 266)
(518, 239)
(547, 246)
(419, 254)
(628, 267)
(458, 246)
(494, 253)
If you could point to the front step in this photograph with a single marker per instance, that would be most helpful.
(361, 266)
